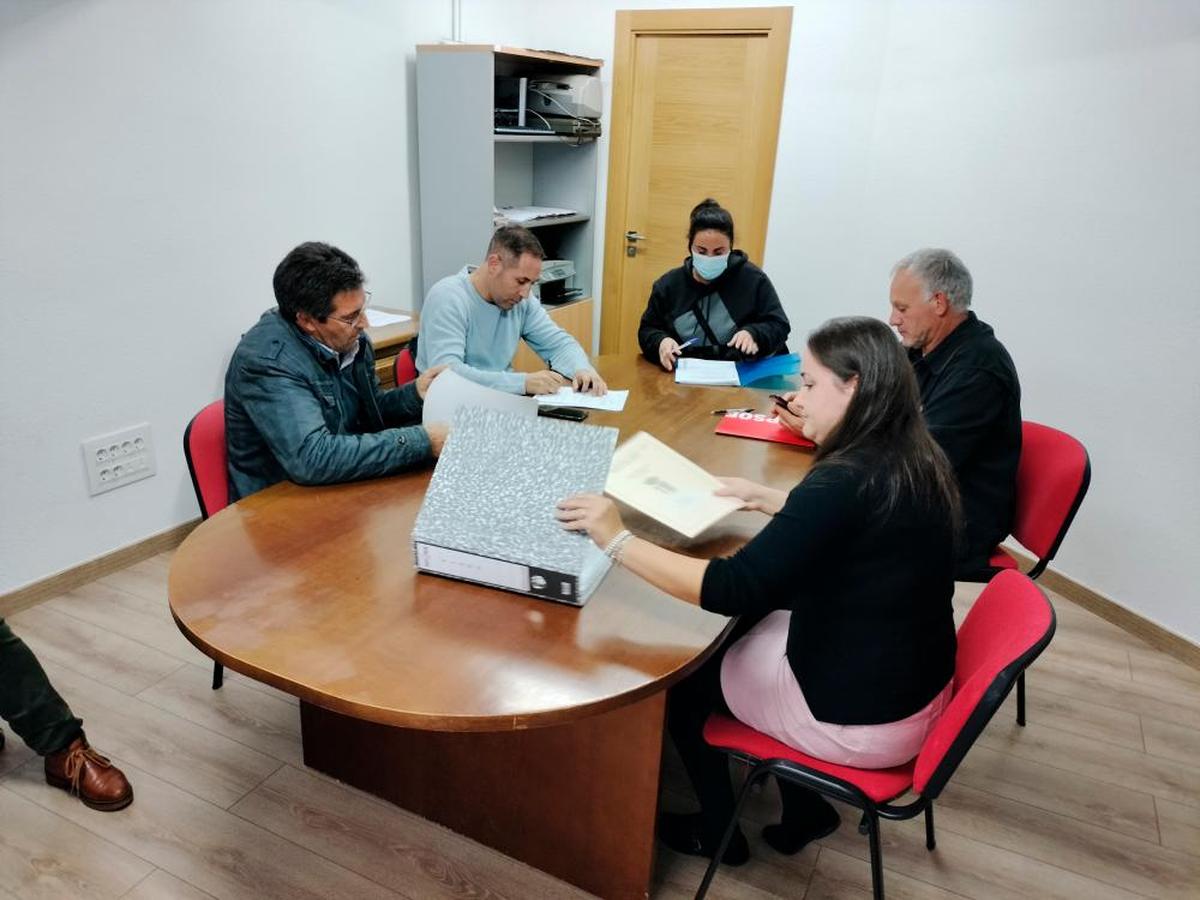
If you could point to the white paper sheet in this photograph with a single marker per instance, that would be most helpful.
(613, 401)
(669, 487)
(377, 317)
(712, 372)
(450, 390)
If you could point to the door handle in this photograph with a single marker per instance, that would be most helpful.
(634, 236)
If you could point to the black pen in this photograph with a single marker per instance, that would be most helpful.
(736, 409)
(550, 368)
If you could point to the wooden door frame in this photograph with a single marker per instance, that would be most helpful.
(773, 21)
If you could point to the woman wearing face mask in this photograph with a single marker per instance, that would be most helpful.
(717, 299)
(845, 643)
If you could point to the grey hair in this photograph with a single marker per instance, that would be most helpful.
(940, 271)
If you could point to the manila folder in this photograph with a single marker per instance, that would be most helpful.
(669, 487)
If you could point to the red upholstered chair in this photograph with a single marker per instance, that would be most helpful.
(1009, 625)
(204, 450)
(406, 368)
(1052, 478)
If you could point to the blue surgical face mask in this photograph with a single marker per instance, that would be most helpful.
(710, 268)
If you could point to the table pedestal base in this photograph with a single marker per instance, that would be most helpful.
(576, 800)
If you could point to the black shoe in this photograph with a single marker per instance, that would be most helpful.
(684, 833)
(788, 838)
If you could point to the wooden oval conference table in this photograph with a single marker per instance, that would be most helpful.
(532, 727)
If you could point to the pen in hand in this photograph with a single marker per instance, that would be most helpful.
(550, 368)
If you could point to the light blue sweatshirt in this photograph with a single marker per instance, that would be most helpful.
(479, 339)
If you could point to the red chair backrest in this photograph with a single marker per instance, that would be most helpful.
(1006, 629)
(204, 450)
(1052, 477)
(406, 369)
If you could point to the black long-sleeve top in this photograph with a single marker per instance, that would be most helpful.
(741, 298)
(872, 635)
(971, 400)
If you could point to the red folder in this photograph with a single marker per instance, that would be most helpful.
(760, 428)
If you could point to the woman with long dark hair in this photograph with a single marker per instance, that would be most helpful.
(845, 643)
(717, 305)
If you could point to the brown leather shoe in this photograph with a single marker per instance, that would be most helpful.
(81, 770)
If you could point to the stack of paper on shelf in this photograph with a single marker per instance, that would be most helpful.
(488, 515)
(520, 215)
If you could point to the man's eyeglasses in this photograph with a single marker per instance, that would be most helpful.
(353, 320)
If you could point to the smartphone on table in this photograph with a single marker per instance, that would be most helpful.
(563, 412)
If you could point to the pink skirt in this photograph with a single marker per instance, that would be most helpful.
(761, 690)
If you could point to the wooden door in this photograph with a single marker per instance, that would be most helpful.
(696, 100)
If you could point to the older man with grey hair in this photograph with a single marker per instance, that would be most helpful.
(970, 395)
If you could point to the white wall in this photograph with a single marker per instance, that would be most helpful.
(157, 159)
(167, 154)
(1054, 146)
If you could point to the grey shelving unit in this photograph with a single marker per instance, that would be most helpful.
(466, 169)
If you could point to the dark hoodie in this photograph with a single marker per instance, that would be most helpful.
(742, 297)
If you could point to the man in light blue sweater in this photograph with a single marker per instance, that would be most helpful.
(472, 321)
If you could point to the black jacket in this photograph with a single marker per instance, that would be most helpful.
(971, 399)
(742, 297)
(872, 637)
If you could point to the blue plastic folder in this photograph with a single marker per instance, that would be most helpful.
(771, 372)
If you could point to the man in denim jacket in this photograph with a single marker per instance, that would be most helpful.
(301, 398)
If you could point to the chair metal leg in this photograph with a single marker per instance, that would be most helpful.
(218, 675)
(753, 778)
(930, 840)
(1021, 699)
(872, 823)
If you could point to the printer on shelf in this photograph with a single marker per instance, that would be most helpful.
(556, 270)
(565, 95)
(552, 283)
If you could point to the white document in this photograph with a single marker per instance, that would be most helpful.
(613, 401)
(669, 487)
(712, 372)
(377, 317)
(450, 390)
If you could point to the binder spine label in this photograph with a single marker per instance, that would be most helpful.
(472, 567)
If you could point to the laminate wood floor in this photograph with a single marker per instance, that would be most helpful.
(1098, 797)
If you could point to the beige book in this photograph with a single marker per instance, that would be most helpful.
(669, 487)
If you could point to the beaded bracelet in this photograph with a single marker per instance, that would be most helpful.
(614, 547)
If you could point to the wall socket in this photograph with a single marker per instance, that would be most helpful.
(117, 459)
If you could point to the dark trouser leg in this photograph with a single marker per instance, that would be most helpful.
(807, 816)
(800, 804)
(28, 702)
(688, 706)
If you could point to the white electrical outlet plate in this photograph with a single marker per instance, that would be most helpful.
(117, 459)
